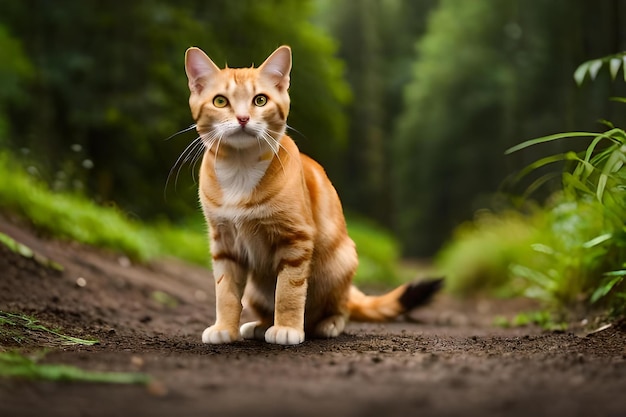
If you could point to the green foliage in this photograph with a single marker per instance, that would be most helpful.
(68, 216)
(593, 66)
(18, 323)
(587, 232)
(378, 250)
(27, 252)
(16, 247)
(575, 250)
(479, 254)
(16, 365)
(75, 217)
(563, 267)
(541, 318)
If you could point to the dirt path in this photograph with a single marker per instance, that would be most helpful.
(149, 318)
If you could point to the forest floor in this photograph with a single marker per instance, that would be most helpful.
(448, 359)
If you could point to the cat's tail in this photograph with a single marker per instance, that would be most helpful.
(392, 304)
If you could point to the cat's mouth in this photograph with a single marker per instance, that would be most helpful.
(246, 129)
(242, 137)
(246, 132)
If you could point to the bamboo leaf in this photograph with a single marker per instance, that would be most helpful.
(534, 276)
(538, 164)
(549, 138)
(604, 289)
(607, 123)
(614, 65)
(597, 240)
(535, 185)
(581, 71)
(584, 164)
(594, 67)
(613, 164)
(601, 186)
(573, 182)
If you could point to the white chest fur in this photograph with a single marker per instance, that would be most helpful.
(239, 174)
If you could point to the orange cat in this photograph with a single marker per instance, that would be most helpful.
(276, 224)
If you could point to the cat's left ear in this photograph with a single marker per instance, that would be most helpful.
(199, 69)
(277, 67)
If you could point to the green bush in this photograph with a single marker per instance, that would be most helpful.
(379, 253)
(478, 257)
(75, 217)
(570, 251)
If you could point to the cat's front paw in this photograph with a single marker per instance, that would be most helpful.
(218, 335)
(283, 335)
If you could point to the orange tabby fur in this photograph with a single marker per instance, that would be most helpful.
(277, 229)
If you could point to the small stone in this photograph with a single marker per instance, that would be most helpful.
(124, 261)
(157, 388)
(81, 282)
(137, 361)
(200, 295)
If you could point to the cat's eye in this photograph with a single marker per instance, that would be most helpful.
(220, 101)
(260, 100)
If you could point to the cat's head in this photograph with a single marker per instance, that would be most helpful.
(239, 107)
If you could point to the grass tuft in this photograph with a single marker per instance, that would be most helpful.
(16, 365)
(18, 323)
(27, 252)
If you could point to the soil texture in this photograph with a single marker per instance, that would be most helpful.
(445, 359)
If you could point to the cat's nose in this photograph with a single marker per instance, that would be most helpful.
(243, 120)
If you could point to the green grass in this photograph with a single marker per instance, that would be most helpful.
(379, 253)
(17, 365)
(75, 217)
(27, 252)
(13, 364)
(478, 257)
(541, 318)
(19, 325)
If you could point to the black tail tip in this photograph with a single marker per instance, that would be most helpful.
(420, 293)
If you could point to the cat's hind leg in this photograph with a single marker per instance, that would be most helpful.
(330, 327)
(255, 330)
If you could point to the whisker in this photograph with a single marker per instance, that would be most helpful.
(269, 139)
(193, 126)
(180, 160)
(277, 141)
(297, 131)
(196, 158)
(217, 149)
(190, 157)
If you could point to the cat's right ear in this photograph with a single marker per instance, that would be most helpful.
(199, 69)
